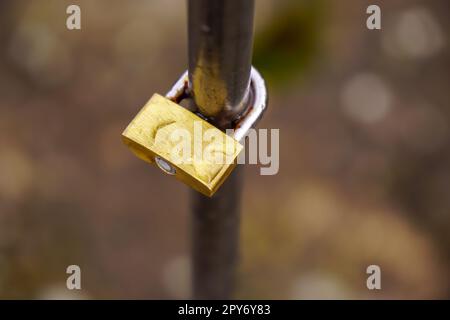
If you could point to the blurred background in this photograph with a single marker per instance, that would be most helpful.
(364, 160)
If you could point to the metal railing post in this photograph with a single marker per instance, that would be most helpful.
(220, 36)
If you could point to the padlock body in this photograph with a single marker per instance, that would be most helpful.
(202, 155)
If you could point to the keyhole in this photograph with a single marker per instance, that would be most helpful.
(165, 166)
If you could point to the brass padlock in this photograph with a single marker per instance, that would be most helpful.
(184, 145)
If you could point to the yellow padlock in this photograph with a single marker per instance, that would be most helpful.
(182, 144)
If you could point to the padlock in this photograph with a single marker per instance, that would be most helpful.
(185, 145)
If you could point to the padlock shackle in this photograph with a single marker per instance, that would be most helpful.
(257, 102)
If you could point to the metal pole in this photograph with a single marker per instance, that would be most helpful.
(220, 46)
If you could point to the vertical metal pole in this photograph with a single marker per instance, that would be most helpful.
(220, 47)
